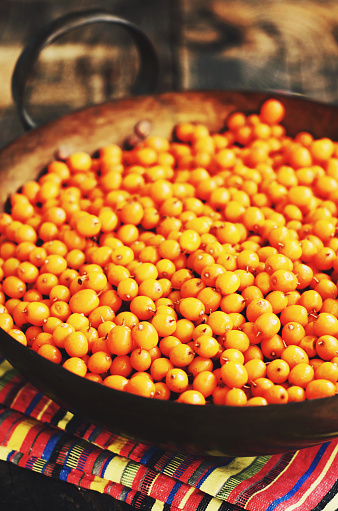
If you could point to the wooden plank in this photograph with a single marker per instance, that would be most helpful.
(87, 66)
(261, 45)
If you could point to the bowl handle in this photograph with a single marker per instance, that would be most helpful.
(148, 69)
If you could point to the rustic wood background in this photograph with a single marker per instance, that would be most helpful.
(202, 44)
(289, 45)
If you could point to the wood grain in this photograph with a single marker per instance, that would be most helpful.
(202, 44)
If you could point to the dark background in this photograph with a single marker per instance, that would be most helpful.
(282, 45)
(202, 44)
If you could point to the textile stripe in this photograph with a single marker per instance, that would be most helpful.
(11, 391)
(213, 485)
(68, 448)
(247, 473)
(5, 371)
(64, 421)
(173, 465)
(115, 468)
(299, 483)
(328, 500)
(129, 473)
(37, 398)
(44, 409)
(253, 490)
(317, 481)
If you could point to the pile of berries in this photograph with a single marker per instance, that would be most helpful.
(201, 269)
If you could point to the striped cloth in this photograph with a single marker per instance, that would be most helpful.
(35, 433)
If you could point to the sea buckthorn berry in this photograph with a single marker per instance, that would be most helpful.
(51, 353)
(181, 355)
(79, 321)
(296, 394)
(18, 335)
(121, 365)
(272, 111)
(259, 386)
(101, 314)
(276, 394)
(163, 324)
(311, 300)
(256, 368)
(235, 397)
(161, 391)
(119, 340)
(278, 301)
(218, 396)
(191, 308)
(327, 371)
(293, 333)
(114, 381)
(191, 397)
(283, 280)
(27, 272)
(116, 273)
(184, 330)
(227, 283)
(219, 322)
(127, 289)
(278, 371)
(167, 343)
(267, 325)
(205, 382)
(14, 287)
(94, 280)
(238, 320)
(84, 301)
(296, 312)
(232, 354)
(235, 339)
(308, 344)
(189, 241)
(140, 359)
(272, 348)
(294, 355)
(75, 365)
(257, 401)
(37, 313)
(144, 335)
(210, 298)
(257, 307)
(301, 374)
(326, 347)
(150, 288)
(320, 388)
(199, 364)
(234, 375)
(142, 307)
(177, 380)
(326, 324)
(253, 352)
(140, 386)
(210, 273)
(76, 344)
(202, 329)
(206, 346)
(192, 287)
(232, 303)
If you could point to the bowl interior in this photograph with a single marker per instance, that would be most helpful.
(215, 430)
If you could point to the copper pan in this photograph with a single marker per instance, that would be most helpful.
(204, 430)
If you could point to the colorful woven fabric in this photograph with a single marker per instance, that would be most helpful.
(35, 433)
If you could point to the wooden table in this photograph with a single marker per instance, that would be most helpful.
(219, 44)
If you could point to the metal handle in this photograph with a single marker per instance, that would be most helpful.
(148, 70)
